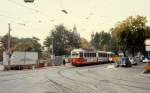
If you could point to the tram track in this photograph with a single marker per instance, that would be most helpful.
(18, 76)
(106, 85)
(118, 81)
(78, 85)
(85, 83)
(122, 83)
(101, 85)
(100, 89)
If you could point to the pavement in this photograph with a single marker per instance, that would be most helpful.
(1, 68)
(102, 78)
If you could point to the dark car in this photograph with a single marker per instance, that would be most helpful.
(125, 62)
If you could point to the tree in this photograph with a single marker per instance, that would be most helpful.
(85, 44)
(96, 40)
(64, 40)
(13, 41)
(147, 32)
(1, 50)
(130, 34)
(23, 44)
(101, 41)
(28, 44)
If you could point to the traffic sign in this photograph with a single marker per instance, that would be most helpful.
(147, 42)
(147, 48)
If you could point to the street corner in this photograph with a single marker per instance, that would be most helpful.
(145, 75)
(1, 68)
(110, 66)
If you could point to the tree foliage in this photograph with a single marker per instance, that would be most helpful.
(28, 44)
(102, 41)
(130, 34)
(85, 44)
(1, 50)
(64, 40)
(23, 44)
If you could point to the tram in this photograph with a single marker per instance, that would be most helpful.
(84, 56)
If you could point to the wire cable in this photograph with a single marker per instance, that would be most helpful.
(32, 9)
(10, 17)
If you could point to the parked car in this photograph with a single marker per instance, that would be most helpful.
(134, 60)
(125, 62)
(145, 60)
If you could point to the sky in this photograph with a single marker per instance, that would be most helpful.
(38, 18)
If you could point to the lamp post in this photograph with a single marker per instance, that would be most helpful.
(52, 53)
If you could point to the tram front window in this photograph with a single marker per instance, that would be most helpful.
(75, 55)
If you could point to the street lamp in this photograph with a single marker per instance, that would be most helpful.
(52, 47)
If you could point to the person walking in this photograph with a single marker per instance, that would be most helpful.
(64, 62)
(116, 59)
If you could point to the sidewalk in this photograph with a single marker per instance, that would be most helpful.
(1, 68)
(145, 75)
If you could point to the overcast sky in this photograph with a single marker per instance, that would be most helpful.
(88, 15)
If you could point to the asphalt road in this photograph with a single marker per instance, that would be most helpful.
(69, 79)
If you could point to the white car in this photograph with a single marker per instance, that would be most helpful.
(146, 60)
(133, 60)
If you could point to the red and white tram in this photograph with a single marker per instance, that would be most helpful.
(82, 56)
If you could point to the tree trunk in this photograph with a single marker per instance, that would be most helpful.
(133, 52)
(124, 53)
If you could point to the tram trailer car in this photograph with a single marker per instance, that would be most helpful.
(83, 57)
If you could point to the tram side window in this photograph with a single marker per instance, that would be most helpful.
(81, 54)
(85, 54)
(108, 55)
(75, 55)
(105, 55)
(88, 54)
(99, 54)
(93, 54)
(102, 55)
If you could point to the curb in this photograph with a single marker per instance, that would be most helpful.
(145, 75)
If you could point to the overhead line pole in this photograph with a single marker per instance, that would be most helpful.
(9, 29)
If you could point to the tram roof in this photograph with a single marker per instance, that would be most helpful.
(81, 50)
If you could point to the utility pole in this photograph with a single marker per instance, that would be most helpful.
(52, 57)
(52, 48)
(8, 48)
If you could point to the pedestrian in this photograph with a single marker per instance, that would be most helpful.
(64, 62)
(116, 59)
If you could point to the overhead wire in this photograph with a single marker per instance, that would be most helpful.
(10, 17)
(47, 16)
(32, 9)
